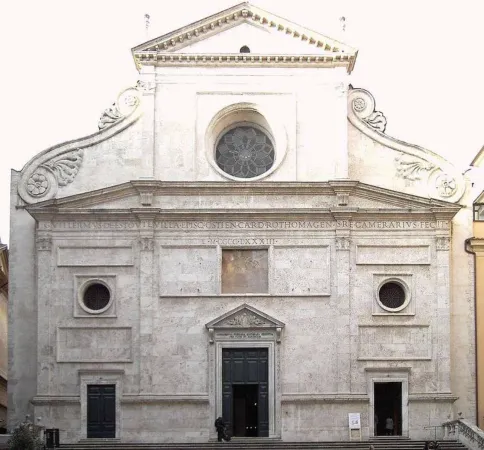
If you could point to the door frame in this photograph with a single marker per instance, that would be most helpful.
(273, 370)
(388, 377)
(245, 327)
(100, 376)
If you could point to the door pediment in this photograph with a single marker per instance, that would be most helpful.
(245, 317)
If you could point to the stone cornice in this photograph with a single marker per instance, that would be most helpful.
(413, 163)
(477, 245)
(329, 188)
(236, 59)
(324, 398)
(156, 398)
(432, 397)
(159, 51)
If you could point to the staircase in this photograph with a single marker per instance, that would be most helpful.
(264, 444)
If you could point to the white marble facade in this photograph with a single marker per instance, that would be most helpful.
(142, 209)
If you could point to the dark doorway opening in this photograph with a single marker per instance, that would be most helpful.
(245, 391)
(245, 409)
(101, 411)
(388, 409)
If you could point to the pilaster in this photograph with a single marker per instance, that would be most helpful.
(46, 331)
(343, 301)
(148, 301)
(441, 322)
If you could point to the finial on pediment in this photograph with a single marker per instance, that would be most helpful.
(342, 21)
(147, 26)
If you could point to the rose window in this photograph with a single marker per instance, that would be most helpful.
(245, 152)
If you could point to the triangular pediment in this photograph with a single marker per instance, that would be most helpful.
(220, 37)
(244, 316)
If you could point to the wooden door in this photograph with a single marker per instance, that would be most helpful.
(101, 411)
(246, 366)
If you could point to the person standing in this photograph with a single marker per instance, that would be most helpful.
(389, 426)
(220, 427)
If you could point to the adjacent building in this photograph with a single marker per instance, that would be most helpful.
(3, 335)
(475, 245)
(241, 238)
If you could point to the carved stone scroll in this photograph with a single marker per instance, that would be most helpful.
(58, 171)
(422, 168)
(363, 106)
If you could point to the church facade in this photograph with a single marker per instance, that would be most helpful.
(240, 239)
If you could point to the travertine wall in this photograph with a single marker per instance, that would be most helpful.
(157, 245)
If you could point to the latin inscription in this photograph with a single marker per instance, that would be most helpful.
(241, 241)
(247, 335)
(246, 225)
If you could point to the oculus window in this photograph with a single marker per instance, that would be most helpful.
(245, 271)
(95, 297)
(245, 151)
(392, 296)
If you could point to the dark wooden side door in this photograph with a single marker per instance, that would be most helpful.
(101, 411)
(246, 366)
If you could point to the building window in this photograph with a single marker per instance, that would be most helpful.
(244, 49)
(393, 296)
(95, 296)
(245, 151)
(245, 271)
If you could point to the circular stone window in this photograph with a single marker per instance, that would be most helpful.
(95, 297)
(392, 296)
(245, 151)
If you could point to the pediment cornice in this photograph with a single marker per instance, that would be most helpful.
(160, 51)
(390, 203)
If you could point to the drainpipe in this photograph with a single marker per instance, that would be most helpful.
(468, 249)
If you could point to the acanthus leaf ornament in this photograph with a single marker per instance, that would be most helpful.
(66, 167)
(109, 116)
(412, 168)
(126, 102)
(377, 121)
(58, 171)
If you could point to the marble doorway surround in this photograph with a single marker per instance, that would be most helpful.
(245, 327)
(100, 376)
(388, 375)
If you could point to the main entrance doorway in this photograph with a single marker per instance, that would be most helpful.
(245, 403)
(101, 411)
(388, 409)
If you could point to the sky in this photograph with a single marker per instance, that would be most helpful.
(64, 62)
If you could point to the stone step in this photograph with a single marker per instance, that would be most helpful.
(263, 444)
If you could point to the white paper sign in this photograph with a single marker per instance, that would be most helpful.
(354, 421)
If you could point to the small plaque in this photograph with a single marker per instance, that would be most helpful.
(354, 421)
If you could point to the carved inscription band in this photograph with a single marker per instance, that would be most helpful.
(389, 225)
